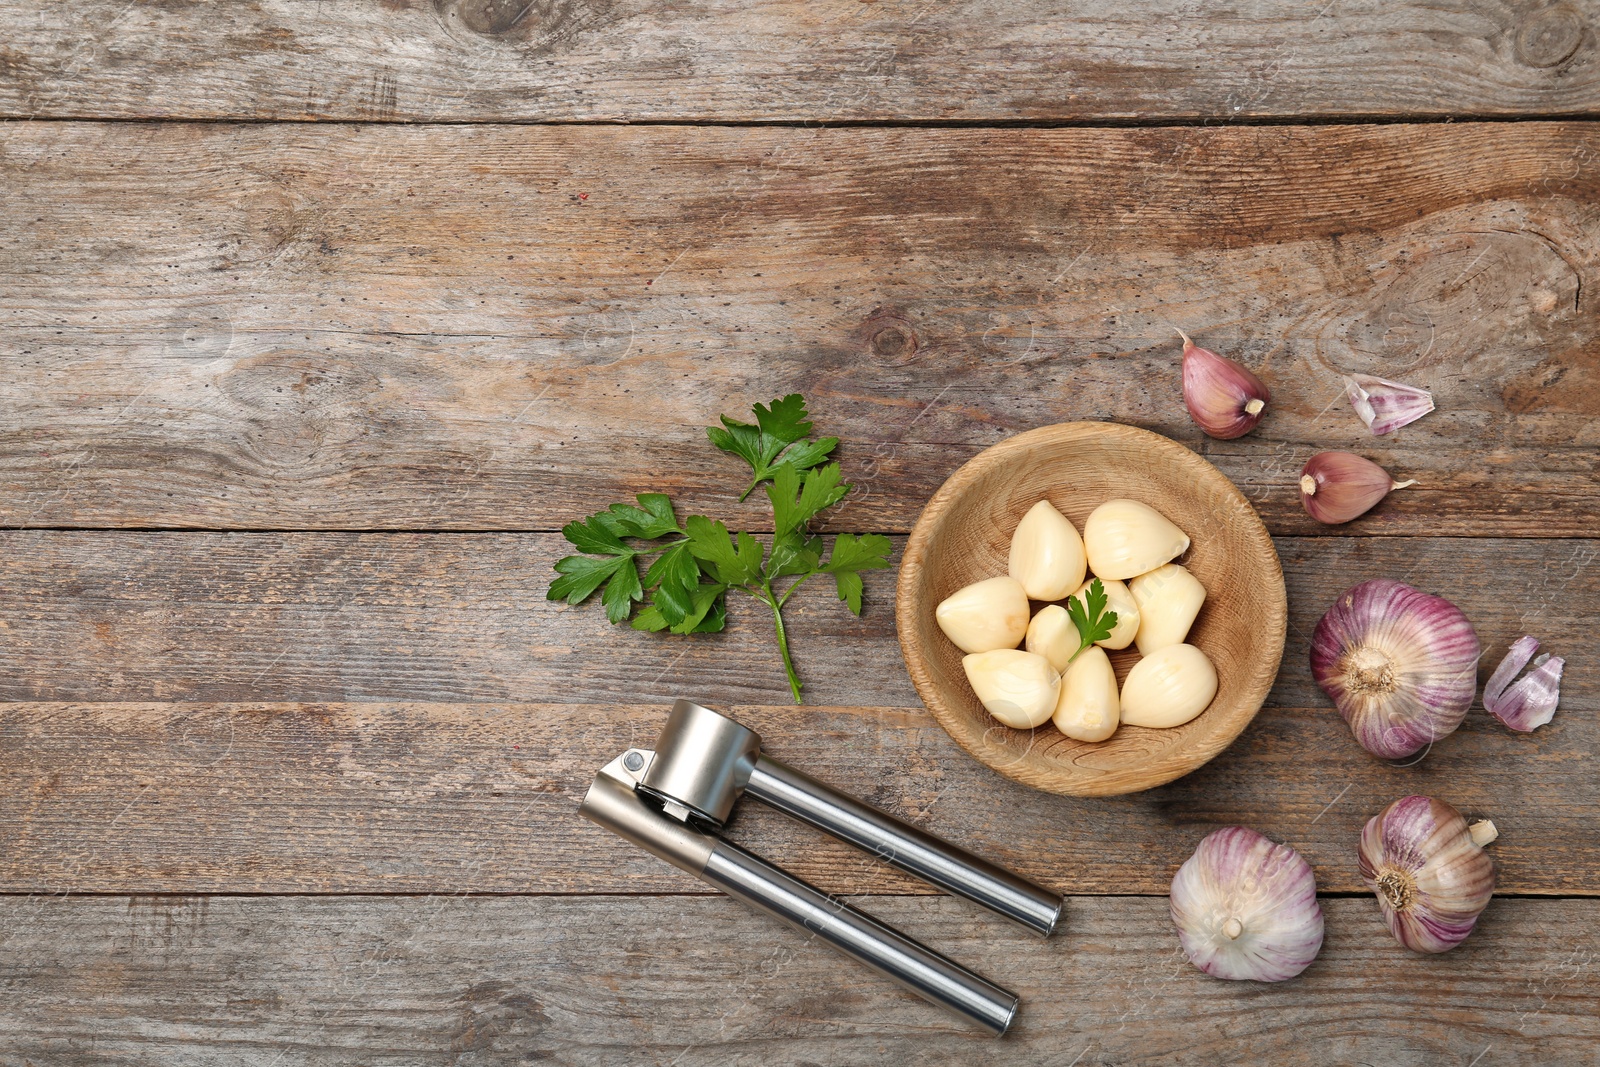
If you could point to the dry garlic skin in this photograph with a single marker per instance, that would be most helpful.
(1169, 598)
(1119, 600)
(1088, 708)
(1018, 688)
(1124, 538)
(985, 615)
(1047, 554)
(1052, 635)
(1168, 687)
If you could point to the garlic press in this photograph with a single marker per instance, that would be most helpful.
(674, 800)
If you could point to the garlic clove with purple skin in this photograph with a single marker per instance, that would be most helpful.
(1336, 487)
(1223, 397)
(1246, 907)
(1429, 871)
(1400, 665)
(1531, 702)
(1383, 405)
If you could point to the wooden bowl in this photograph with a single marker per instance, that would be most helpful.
(964, 535)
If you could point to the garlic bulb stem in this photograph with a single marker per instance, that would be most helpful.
(1483, 833)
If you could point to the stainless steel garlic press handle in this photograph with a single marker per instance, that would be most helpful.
(614, 803)
(914, 851)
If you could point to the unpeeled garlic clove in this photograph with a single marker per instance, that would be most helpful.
(1047, 554)
(1168, 687)
(1019, 688)
(1088, 708)
(1119, 600)
(1169, 598)
(1052, 635)
(1124, 538)
(985, 615)
(1223, 397)
(1336, 487)
(1384, 405)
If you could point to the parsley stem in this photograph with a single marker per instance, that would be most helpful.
(787, 593)
(783, 639)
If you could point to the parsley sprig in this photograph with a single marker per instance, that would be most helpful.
(695, 564)
(1089, 615)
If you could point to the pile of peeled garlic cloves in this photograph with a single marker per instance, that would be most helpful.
(1116, 581)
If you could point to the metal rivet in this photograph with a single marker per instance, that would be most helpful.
(633, 761)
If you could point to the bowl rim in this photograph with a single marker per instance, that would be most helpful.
(912, 562)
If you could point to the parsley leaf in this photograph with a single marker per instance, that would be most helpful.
(763, 443)
(852, 555)
(684, 589)
(1089, 615)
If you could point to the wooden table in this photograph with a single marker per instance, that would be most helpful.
(321, 319)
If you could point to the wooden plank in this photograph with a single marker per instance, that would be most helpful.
(444, 981)
(122, 615)
(705, 60)
(504, 327)
(460, 798)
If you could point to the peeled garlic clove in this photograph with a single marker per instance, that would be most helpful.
(985, 615)
(1429, 871)
(1168, 687)
(1530, 703)
(1119, 600)
(1052, 635)
(1047, 554)
(1169, 598)
(1246, 907)
(1384, 405)
(1400, 664)
(1223, 397)
(1336, 487)
(1125, 538)
(1088, 708)
(1018, 688)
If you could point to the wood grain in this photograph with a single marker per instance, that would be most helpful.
(237, 326)
(133, 615)
(445, 981)
(461, 798)
(716, 60)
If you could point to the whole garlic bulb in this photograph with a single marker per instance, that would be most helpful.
(985, 615)
(1168, 687)
(1047, 554)
(1169, 598)
(1400, 664)
(1018, 688)
(1246, 907)
(1119, 600)
(1428, 870)
(1088, 708)
(1124, 538)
